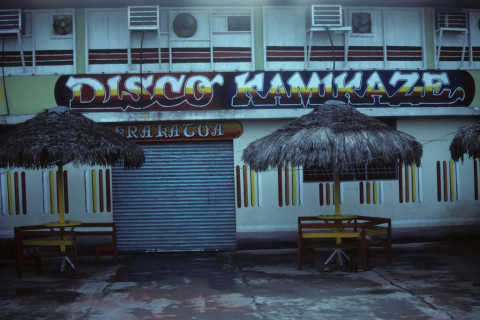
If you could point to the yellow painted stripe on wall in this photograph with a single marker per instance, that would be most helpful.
(375, 192)
(452, 183)
(94, 189)
(52, 193)
(294, 186)
(10, 196)
(252, 186)
(414, 182)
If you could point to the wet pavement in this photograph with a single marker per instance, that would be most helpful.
(425, 281)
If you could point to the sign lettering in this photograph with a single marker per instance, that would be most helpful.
(263, 90)
(146, 132)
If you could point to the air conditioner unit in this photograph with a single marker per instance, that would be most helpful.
(452, 19)
(143, 18)
(324, 16)
(10, 21)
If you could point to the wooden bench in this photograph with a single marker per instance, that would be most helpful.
(25, 251)
(99, 248)
(313, 231)
(36, 242)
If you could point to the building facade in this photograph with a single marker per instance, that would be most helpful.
(195, 83)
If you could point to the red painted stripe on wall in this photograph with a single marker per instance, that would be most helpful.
(109, 191)
(287, 184)
(407, 184)
(439, 182)
(24, 193)
(245, 186)
(65, 191)
(239, 188)
(328, 196)
(100, 190)
(280, 187)
(362, 195)
(445, 182)
(400, 182)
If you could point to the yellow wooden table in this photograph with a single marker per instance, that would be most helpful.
(61, 226)
(335, 219)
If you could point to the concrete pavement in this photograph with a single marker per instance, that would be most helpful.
(425, 281)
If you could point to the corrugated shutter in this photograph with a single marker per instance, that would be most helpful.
(182, 199)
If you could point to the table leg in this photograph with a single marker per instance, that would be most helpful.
(338, 253)
(64, 259)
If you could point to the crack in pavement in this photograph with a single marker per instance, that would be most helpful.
(412, 294)
(246, 282)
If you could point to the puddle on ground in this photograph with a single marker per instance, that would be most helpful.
(65, 296)
(381, 291)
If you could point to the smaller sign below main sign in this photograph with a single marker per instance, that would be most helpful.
(179, 131)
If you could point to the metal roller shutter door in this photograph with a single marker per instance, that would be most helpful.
(182, 199)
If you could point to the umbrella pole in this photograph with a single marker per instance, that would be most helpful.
(60, 193)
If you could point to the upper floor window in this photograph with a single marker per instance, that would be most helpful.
(187, 39)
(41, 42)
(377, 38)
(457, 39)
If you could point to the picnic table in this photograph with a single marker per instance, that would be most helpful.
(351, 233)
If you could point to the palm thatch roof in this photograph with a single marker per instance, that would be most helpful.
(467, 140)
(59, 136)
(333, 136)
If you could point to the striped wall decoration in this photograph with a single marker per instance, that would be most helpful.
(448, 181)
(285, 53)
(120, 56)
(178, 55)
(409, 183)
(232, 54)
(404, 53)
(326, 194)
(455, 53)
(13, 195)
(371, 192)
(108, 56)
(355, 53)
(98, 197)
(14, 59)
(476, 53)
(65, 191)
(290, 186)
(324, 53)
(245, 185)
(54, 57)
(147, 55)
(364, 53)
(42, 58)
(190, 55)
(248, 186)
(50, 191)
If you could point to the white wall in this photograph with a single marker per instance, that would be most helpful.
(35, 213)
(429, 131)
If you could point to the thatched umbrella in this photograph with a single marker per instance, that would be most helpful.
(467, 140)
(59, 136)
(333, 136)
